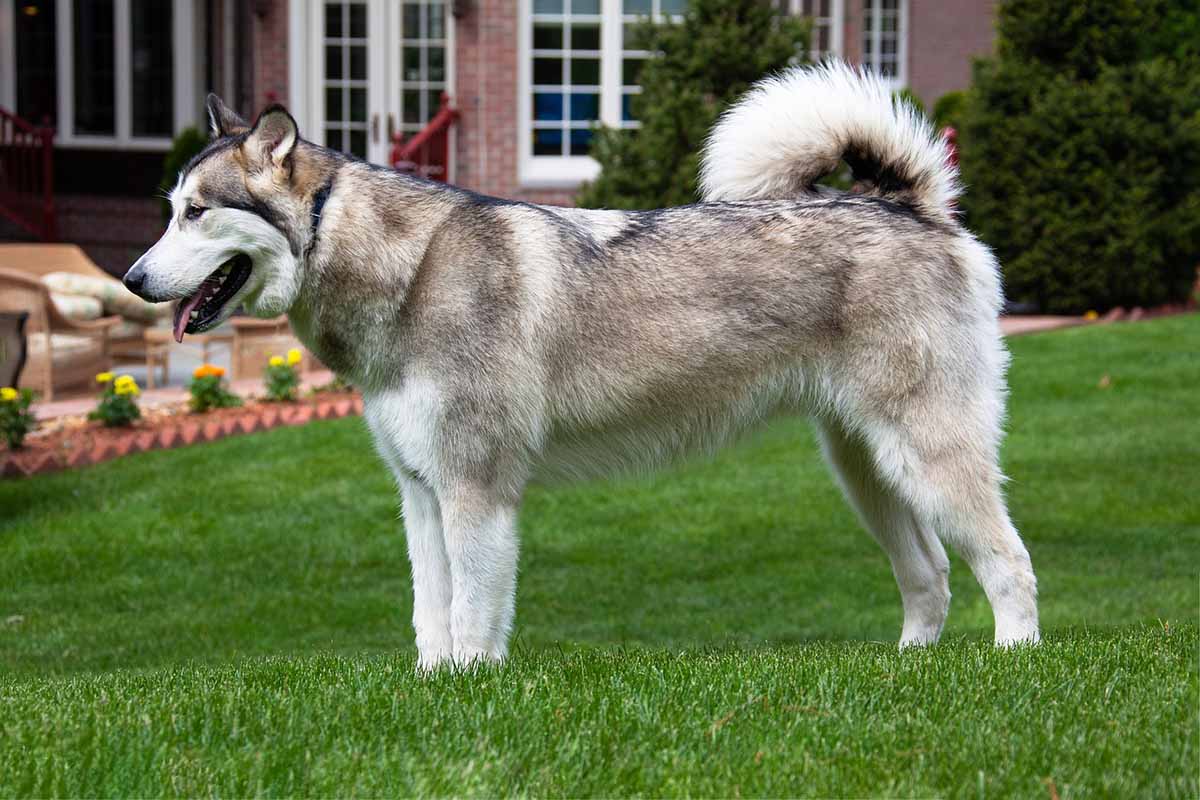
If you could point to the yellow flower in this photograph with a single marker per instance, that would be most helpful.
(104, 377)
(293, 357)
(126, 385)
(8, 393)
(276, 361)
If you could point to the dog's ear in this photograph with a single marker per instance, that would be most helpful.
(223, 120)
(273, 136)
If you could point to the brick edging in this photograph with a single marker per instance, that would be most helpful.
(189, 430)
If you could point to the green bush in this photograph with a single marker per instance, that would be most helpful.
(703, 63)
(187, 144)
(1080, 150)
(282, 377)
(949, 108)
(16, 420)
(208, 390)
(118, 406)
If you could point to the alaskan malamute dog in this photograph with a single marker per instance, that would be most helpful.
(495, 341)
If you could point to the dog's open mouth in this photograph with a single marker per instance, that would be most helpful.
(198, 312)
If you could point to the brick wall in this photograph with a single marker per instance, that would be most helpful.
(270, 52)
(944, 35)
(486, 150)
(113, 231)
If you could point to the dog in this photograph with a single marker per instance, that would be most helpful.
(496, 341)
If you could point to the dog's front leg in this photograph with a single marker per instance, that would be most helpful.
(430, 572)
(481, 543)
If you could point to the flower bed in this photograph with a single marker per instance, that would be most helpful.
(76, 441)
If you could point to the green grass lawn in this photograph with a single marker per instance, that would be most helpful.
(233, 619)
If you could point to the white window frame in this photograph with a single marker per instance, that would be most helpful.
(565, 172)
(185, 70)
(306, 70)
(837, 25)
(900, 80)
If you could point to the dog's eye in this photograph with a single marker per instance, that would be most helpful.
(193, 212)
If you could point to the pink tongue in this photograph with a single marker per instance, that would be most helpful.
(184, 312)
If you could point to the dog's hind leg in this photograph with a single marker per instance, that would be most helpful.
(946, 470)
(918, 559)
(430, 572)
(481, 544)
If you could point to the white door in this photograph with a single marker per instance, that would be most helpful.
(383, 67)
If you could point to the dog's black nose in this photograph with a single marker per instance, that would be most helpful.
(135, 278)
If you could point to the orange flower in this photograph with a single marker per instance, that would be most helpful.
(207, 370)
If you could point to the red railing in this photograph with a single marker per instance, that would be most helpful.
(427, 153)
(27, 175)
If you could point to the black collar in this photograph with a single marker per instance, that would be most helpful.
(318, 206)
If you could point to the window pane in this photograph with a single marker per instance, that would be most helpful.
(36, 62)
(358, 105)
(412, 63)
(358, 20)
(627, 108)
(333, 62)
(547, 107)
(412, 20)
(581, 142)
(437, 64)
(153, 89)
(358, 63)
(547, 36)
(333, 20)
(411, 100)
(631, 68)
(585, 37)
(333, 138)
(547, 71)
(585, 72)
(585, 6)
(95, 103)
(333, 105)
(675, 6)
(437, 21)
(547, 6)
(358, 143)
(547, 143)
(585, 107)
(635, 6)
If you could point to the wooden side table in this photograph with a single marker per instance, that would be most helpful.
(158, 349)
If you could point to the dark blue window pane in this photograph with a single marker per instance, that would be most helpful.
(585, 107)
(580, 142)
(627, 108)
(547, 107)
(547, 143)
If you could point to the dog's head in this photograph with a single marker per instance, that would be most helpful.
(241, 218)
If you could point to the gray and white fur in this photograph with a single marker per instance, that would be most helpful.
(496, 341)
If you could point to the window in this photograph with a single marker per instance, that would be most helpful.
(106, 73)
(566, 85)
(885, 39)
(424, 64)
(37, 88)
(828, 20)
(346, 77)
(577, 70)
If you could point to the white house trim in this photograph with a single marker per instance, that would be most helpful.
(8, 56)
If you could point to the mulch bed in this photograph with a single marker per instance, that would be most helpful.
(75, 441)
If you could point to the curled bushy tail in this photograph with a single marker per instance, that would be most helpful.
(793, 129)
